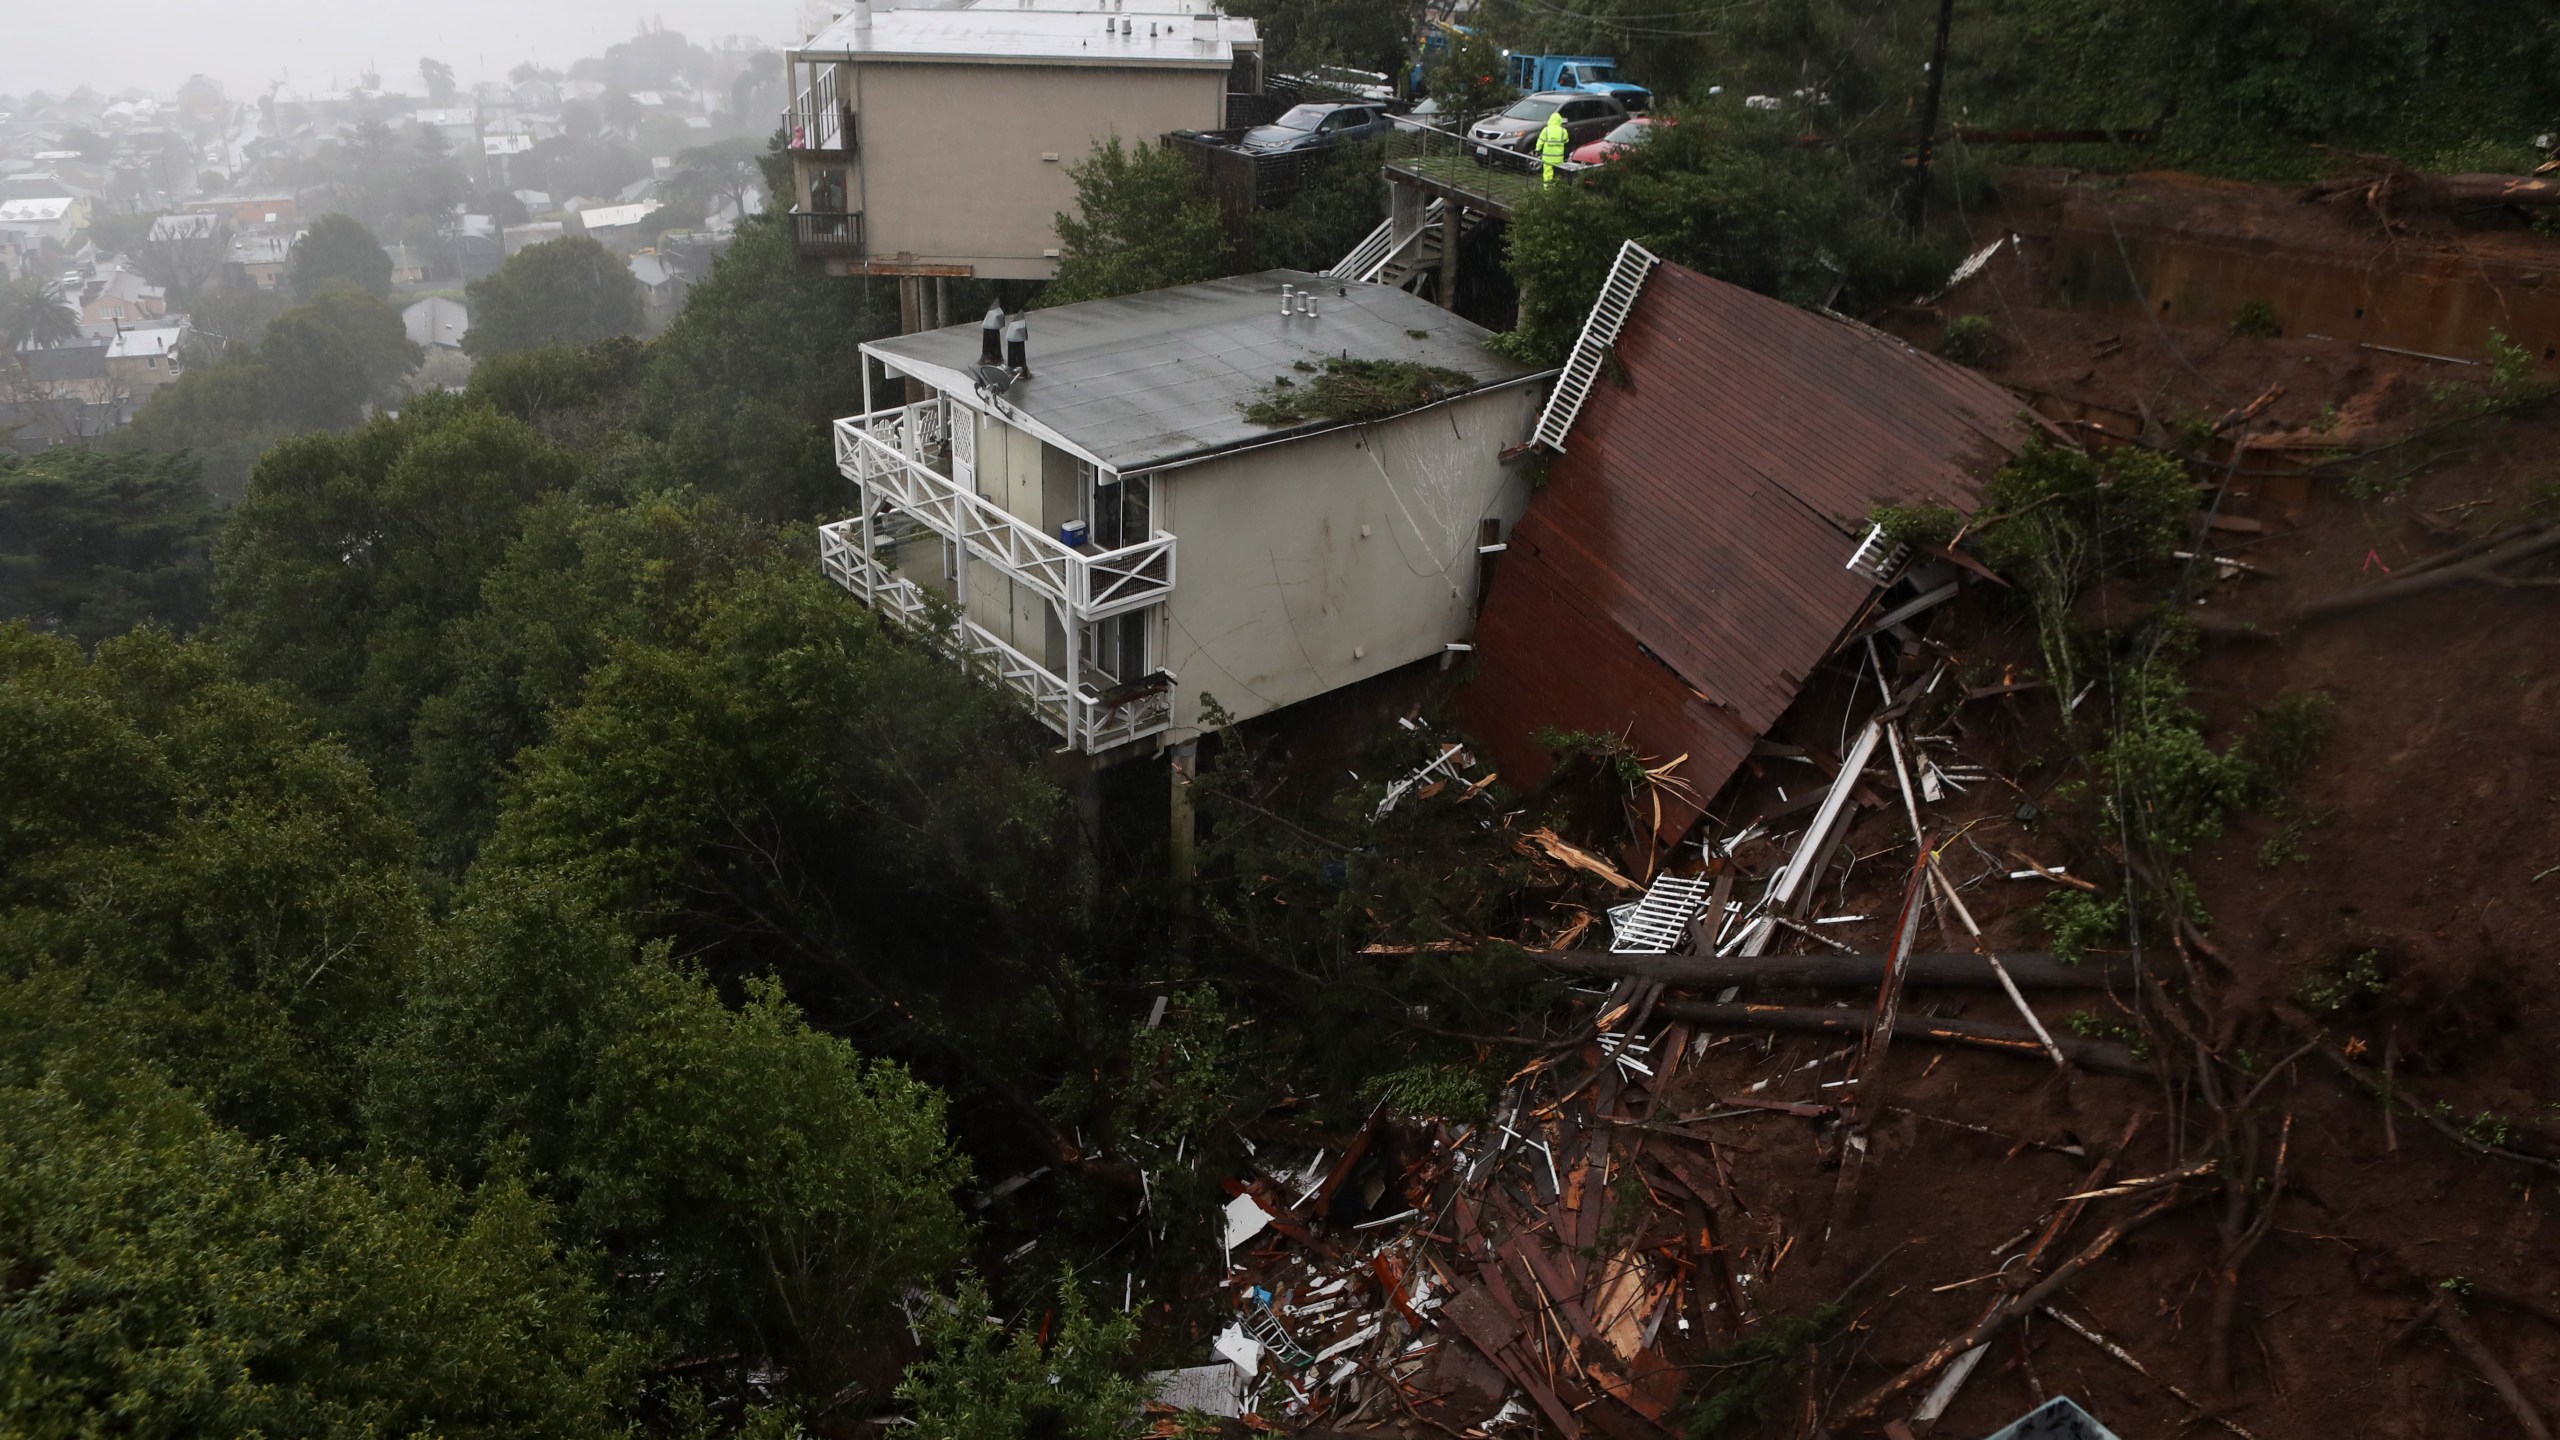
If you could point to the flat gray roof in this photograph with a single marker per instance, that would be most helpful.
(1148, 380)
(1040, 37)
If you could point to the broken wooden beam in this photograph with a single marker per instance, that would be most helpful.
(1946, 969)
(2104, 1057)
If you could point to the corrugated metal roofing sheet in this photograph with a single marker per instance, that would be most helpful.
(1681, 574)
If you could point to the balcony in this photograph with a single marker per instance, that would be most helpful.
(883, 453)
(828, 232)
(1087, 720)
(826, 131)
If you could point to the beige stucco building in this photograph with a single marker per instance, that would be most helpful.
(936, 142)
(1110, 536)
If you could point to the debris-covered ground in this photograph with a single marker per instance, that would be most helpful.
(2274, 1157)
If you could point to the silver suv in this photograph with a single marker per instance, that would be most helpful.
(1587, 117)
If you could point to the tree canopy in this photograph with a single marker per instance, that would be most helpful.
(35, 312)
(1140, 223)
(93, 544)
(566, 291)
(338, 248)
(316, 366)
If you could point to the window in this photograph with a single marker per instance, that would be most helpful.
(1301, 117)
(826, 190)
(1577, 111)
(1117, 647)
(1531, 109)
(1118, 509)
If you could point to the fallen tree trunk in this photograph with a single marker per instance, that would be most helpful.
(1958, 970)
(2481, 568)
(2104, 1057)
(2389, 188)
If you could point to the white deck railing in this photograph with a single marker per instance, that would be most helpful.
(884, 453)
(1086, 723)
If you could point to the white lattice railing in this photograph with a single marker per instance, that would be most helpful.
(1085, 721)
(884, 452)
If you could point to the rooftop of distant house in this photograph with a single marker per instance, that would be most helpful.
(1163, 378)
(1169, 38)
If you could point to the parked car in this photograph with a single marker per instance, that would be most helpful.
(1587, 117)
(1315, 127)
(1617, 142)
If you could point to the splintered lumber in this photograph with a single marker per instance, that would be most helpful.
(2104, 1057)
(1878, 1040)
(1947, 891)
(2034, 1297)
(1946, 969)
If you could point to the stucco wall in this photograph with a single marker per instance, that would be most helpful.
(951, 166)
(1309, 566)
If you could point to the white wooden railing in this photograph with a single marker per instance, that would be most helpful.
(1086, 722)
(884, 453)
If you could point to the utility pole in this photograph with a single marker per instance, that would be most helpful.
(1919, 201)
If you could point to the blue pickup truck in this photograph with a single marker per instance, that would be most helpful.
(1597, 73)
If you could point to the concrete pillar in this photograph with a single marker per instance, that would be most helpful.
(1185, 767)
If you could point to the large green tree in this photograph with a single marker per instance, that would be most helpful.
(351, 554)
(338, 247)
(315, 367)
(740, 389)
(92, 543)
(571, 290)
(182, 844)
(1140, 223)
(170, 1277)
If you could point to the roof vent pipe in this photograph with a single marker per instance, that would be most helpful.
(1310, 298)
(1017, 348)
(991, 337)
(1128, 27)
(1286, 307)
(861, 15)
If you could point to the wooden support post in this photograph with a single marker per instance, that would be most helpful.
(1185, 766)
(1918, 204)
(1448, 281)
(911, 319)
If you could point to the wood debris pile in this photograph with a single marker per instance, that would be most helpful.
(1542, 1265)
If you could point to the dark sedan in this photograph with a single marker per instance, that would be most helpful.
(1314, 127)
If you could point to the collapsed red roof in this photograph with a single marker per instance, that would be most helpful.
(1682, 571)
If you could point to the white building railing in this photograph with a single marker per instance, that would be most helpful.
(1084, 718)
(884, 453)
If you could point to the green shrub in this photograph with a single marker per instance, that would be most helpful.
(2079, 922)
(1925, 528)
(1351, 390)
(1446, 1092)
(1970, 340)
(2348, 988)
(2256, 320)
(2284, 736)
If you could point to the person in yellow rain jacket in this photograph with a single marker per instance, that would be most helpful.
(1552, 143)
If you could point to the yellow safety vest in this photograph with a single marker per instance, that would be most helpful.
(1553, 141)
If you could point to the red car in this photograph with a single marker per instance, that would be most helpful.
(1617, 142)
